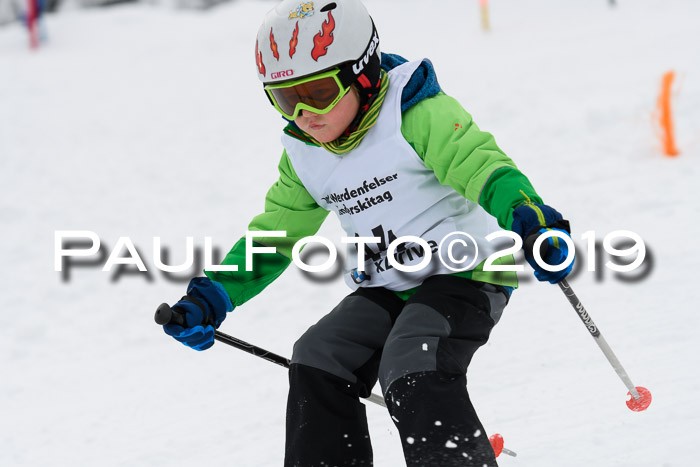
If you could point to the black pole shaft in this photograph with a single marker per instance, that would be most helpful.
(166, 315)
(251, 349)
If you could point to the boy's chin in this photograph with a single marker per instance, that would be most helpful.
(324, 137)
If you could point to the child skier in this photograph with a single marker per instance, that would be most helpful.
(374, 139)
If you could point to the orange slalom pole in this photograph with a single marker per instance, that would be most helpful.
(484, 14)
(665, 117)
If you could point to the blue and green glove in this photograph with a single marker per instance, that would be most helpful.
(204, 309)
(531, 220)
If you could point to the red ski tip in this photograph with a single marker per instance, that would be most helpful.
(641, 404)
(496, 441)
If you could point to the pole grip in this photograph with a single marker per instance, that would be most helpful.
(166, 315)
(529, 245)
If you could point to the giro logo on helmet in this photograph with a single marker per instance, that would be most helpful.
(312, 37)
(282, 74)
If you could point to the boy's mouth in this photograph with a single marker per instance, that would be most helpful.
(316, 126)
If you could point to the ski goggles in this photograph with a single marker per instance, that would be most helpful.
(318, 94)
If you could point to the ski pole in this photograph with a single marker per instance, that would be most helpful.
(166, 315)
(496, 441)
(639, 397)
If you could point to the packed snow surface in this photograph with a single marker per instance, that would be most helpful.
(143, 121)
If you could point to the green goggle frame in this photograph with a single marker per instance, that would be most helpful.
(317, 93)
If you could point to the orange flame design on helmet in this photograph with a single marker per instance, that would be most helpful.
(273, 46)
(324, 38)
(295, 40)
(259, 61)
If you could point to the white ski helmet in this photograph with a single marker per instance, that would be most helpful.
(299, 39)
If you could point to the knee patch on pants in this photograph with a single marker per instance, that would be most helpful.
(440, 328)
(347, 342)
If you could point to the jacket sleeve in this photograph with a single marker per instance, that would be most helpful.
(288, 207)
(462, 156)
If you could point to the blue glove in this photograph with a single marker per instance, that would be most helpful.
(204, 309)
(531, 220)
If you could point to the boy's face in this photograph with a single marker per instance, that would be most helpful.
(328, 127)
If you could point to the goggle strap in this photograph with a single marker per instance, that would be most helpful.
(347, 73)
(346, 76)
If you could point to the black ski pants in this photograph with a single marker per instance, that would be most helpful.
(419, 350)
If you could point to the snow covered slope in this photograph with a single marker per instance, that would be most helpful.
(142, 121)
